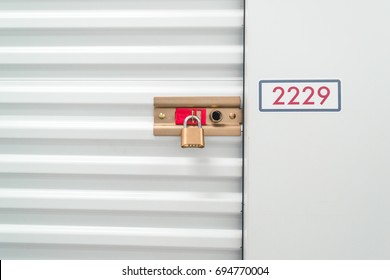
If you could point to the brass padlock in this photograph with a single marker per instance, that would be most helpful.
(192, 137)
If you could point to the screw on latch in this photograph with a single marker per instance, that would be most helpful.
(161, 116)
(232, 116)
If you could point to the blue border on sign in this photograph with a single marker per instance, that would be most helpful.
(300, 81)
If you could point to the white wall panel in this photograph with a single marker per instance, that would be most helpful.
(317, 183)
(81, 174)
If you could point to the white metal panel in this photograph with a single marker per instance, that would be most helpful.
(121, 19)
(119, 236)
(126, 200)
(81, 174)
(122, 55)
(317, 183)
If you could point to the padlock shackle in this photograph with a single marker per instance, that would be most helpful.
(192, 117)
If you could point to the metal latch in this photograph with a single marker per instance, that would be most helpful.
(218, 115)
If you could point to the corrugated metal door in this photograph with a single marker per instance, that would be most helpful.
(81, 174)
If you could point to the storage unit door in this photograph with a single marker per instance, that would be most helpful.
(81, 174)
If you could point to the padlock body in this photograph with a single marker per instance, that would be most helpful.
(192, 137)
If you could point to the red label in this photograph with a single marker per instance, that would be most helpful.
(182, 113)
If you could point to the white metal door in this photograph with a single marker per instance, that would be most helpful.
(82, 175)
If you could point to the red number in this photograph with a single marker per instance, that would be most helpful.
(307, 101)
(292, 101)
(277, 101)
(324, 97)
(305, 89)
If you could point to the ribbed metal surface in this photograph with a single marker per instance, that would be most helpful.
(81, 174)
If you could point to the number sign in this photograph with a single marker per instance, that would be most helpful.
(299, 95)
